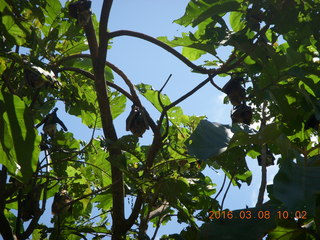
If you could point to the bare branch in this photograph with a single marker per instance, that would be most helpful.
(188, 94)
(5, 229)
(162, 45)
(135, 212)
(225, 194)
(224, 182)
(263, 161)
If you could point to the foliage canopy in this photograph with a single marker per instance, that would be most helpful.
(47, 56)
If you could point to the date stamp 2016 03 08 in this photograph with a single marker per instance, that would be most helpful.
(247, 214)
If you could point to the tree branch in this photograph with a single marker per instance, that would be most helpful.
(188, 94)
(135, 212)
(103, 25)
(5, 229)
(98, 54)
(91, 76)
(225, 194)
(263, 161)
(162, 45)
(133, 97)
(220, 191)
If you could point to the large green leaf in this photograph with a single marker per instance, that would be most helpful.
(19, 149)
(173, 188)
(52, 11)
(245, 136)
(199, 11)
(289, 230)
(152, 95)
(233, 162)
(235, 21)
(193, 48)
(217, 8)
(14, 29)
(297, 186)
(99, 169)
(193, 10)
(208, 140)
(117, 104)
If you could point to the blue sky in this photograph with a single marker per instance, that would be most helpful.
(144, 62)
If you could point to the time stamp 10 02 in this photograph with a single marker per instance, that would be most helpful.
(247, 214)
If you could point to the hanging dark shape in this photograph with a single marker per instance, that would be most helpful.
(61, 202)
(242, 114)
(50, 124)
(80, 10)
(269, 160)
(236, 93)
(136, 121)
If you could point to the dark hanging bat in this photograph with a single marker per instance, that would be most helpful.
(242, 114)
(37, 77)
(236, 93)
(30, 204)
(61, 202)
(80, 10)
(270, 159)
(33, 79)
(136, 121)
(50, 123)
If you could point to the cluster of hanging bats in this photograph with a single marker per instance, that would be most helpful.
(241, 112)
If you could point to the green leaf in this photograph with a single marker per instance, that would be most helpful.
(193, 10)
(199, 11)
(52, 10)
(14, 30)
(219, 7)
(192, 54)
(208, 140)
(117, 104)
(175, 114)
(19, 149)
(268, 134)
(297, 186)
(289, 233)
(100, 170)
(194, 45)
(152, 95)
(235, 21)
(173, 188)
(103, 200)
(233, 162)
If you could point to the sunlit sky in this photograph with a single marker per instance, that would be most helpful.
(143, 62)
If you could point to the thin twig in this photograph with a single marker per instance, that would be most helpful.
(225, 194)
(162, 106)
(188, 94)
(215, 85)
(90, 194)
(224, 181)
(164, 207)
(263, 160)
(164, 85)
